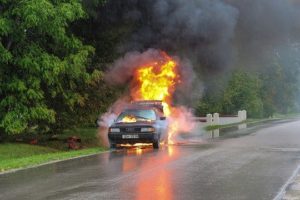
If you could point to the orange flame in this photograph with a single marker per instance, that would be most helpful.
(129, 119)
(158, 81)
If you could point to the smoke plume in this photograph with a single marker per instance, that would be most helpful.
(200, 30)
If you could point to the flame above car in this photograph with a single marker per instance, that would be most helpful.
(156, 81)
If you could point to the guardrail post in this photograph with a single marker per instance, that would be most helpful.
(216, 119)
(240, 115)
(244, 115)
(209, 119)
(216, 133)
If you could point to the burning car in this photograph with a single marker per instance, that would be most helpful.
(142, 122)
(153, 77)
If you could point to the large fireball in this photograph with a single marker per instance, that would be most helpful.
(158, 80)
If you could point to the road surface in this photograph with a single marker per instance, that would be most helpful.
(256, 166)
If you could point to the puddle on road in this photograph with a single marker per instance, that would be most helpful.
(239, 130)
(202, 137)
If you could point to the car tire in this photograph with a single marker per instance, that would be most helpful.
(155, 144)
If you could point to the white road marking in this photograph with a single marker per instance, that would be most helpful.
(283, 189)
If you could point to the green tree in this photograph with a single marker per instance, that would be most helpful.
(243, 93)
(279, 88)
(209, 104)
(42, 65)
(106, 30)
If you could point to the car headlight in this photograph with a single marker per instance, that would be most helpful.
(114, 130)
(148, 129)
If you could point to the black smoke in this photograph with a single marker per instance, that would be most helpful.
(201, 31)
(264, 28)
(212, 36)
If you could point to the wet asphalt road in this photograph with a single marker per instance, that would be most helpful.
(254, 166)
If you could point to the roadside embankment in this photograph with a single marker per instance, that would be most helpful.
(28, 150)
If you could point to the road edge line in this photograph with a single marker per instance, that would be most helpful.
(283, 189)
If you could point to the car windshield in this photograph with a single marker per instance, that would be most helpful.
(131, 116)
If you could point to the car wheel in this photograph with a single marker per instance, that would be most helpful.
(155, 144)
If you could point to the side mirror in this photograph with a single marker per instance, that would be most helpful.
(162, 118)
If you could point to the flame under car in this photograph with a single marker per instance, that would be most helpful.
(141, 124)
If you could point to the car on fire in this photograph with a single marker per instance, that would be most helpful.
(141, 122)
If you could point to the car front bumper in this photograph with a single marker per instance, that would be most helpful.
(132, 138)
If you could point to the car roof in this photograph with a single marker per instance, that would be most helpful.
(139, 108)
(149, 104)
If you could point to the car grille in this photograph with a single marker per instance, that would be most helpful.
(130, 130)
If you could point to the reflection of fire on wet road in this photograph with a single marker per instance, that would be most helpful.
(140, 148)
(135, 149)
(159, 181)
(162, 186)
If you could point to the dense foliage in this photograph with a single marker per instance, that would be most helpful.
(43, 66)
(269, 90)
(242, 93)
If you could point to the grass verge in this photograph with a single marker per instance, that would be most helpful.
(14, 155)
